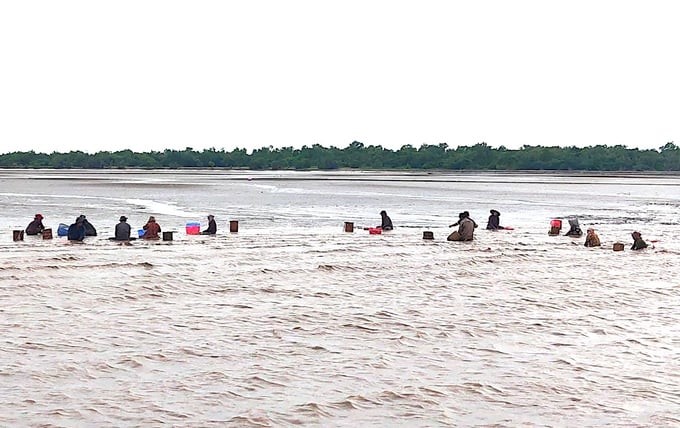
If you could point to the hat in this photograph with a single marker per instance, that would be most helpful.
(39, 216)
(494, 212)
(123, 218)
(211, 216)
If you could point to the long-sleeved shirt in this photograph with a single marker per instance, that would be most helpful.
(212, 228)
(122, 231)
(76, 232)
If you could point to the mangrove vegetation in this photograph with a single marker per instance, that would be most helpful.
(359, 156)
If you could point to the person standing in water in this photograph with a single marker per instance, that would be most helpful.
(151, 229)
(35, 227)
(386, 223)
(212, 226)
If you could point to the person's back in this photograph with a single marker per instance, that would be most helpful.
(89, 229)
(151, 229)
(76, 231)
(35, 227)
(123, 230)
(466, 229)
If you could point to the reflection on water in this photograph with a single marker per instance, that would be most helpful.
(293, 322)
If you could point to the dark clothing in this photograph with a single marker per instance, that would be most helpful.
(638, 244)
(76, 232)
(574, 229)
(212, 228)
(89, 229)
(151, 230)
(122, 231)
(494, 222)
(386, 223)
(35, 227)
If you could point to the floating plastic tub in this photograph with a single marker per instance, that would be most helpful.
(140, 232)
(374, 231)
(556, 223)
(193, 228)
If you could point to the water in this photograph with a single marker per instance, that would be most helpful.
(293, 322)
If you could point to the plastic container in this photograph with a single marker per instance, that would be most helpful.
(374, 231)
(140, 232)
(193, 228)
(62, 230)
(556, 223)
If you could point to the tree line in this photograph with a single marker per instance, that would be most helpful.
(357, 155)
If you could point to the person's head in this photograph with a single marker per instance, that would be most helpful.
(383, 213)
(152, 219)
(496, 213)
(590, 231)
(39, 217)
(82, 216)
(211, 217)
(461, 216)
(636, 235)
(80, 219)
(466, 213)
(123, 219)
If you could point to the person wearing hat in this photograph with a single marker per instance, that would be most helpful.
(212, 226)
(35, 227)
(494, 221)
(151, 229)
(123, 230)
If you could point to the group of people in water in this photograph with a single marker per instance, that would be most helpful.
(466, 229)
(82, 228)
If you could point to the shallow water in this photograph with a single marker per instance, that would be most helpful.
(294, 322)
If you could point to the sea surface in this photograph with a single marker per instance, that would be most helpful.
(294, 322)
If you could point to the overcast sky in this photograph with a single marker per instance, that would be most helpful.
(150, 75)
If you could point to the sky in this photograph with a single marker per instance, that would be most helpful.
(150, 75)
